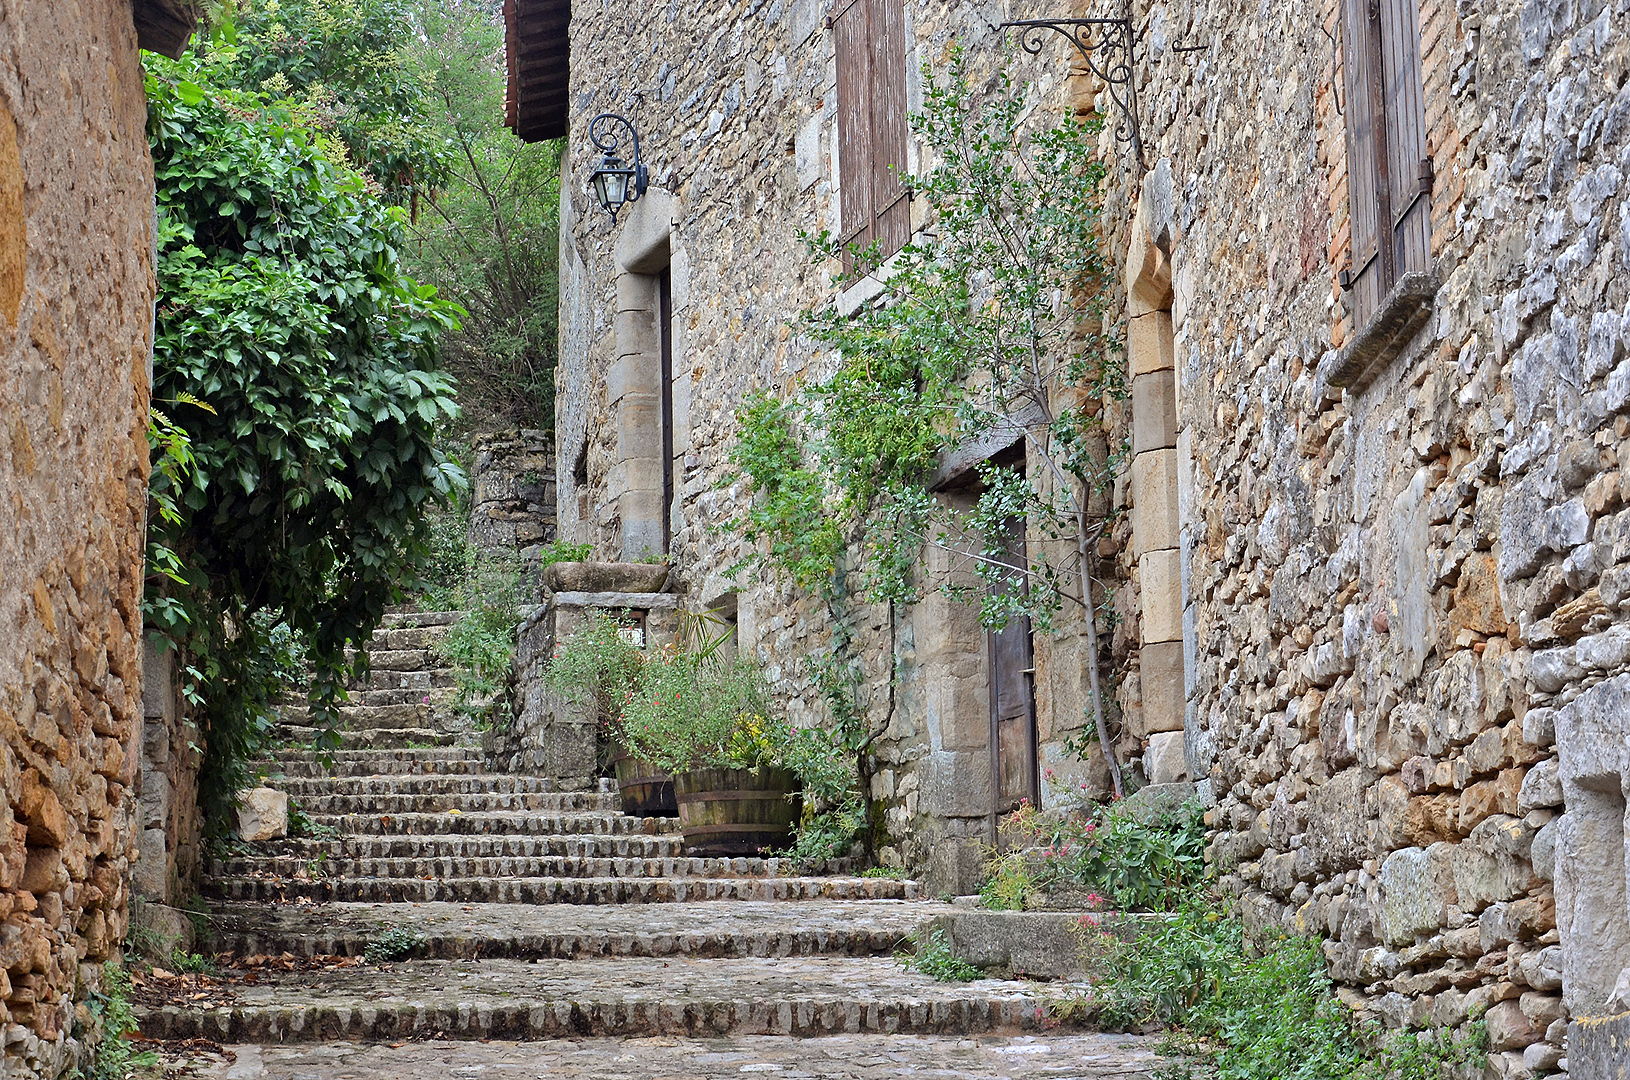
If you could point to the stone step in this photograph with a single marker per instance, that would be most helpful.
(388, 638)
(302, 761)
(406, 738)
(1053, 1055)
(475, 802)
(438, 678)
(523, 823)
(303, 787)
(512, 866)
(510, 999)
(396, 619)
(391, 695)
(474, 931)
(407, 714)
(605, 845)
(403, 660)
(554, 890)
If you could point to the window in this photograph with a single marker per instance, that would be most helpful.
(870, 41)
(1389, 176)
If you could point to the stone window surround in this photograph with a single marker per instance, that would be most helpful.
(1156, 528)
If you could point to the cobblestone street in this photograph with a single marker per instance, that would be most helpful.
(860, 1057)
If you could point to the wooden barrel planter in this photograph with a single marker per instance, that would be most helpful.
(731, 812)
(646, 791)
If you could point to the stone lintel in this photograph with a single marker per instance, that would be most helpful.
(1401, 316)
(956, 464)
(615, 600)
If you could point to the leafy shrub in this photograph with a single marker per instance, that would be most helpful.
(931, 955)
(1132, 863)
(687, 712)
(1253, 1010)
(597, 662)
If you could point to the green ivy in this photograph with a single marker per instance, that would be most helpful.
(284, 313)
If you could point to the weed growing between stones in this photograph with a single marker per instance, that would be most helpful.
(396, 943)
(1118, 859)
(1247, 1008)
(191, 963)
(931, 954)
(301, 825)
(115, 1057)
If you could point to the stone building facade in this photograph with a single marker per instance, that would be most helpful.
(76, 304)
(1376, 298)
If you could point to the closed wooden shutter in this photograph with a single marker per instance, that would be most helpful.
(1408, 168)
(1366, 124)
(1388, 173)
(889, 126)
(850, 35)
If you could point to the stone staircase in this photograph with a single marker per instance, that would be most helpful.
(435, 898)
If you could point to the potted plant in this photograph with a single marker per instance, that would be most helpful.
(706, 719)
(597, 662)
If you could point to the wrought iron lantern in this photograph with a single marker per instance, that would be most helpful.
(616, 182)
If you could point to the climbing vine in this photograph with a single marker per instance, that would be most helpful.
(298, 452)
(986, 331)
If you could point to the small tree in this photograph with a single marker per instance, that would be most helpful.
(987, 330)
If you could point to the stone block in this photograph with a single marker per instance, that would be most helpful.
(263, 814)
(1509, 1029)
(1337, 827)
(1152, 800)
(956, 867)
(1154, 411)
(643, 244)
(1542, 787)
(1161, 596)
(592, 577)
(1154, 502)
(1163, 762)
(1041, 944)
(1599, 1047)
(1149, 342)
(1416, 889)
(957, 783)
(1160, 672)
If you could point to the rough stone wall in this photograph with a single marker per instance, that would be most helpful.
(736, 107)
(76, 303)
(171, 822)
(1402, 605)
(512, 484)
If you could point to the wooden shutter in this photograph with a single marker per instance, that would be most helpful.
(1013, 736)
(1408, 168)
(889, 126)
(850, 26)
(1366, 124)
(1388, 173)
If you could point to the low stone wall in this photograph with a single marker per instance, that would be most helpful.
(170, 824)
(552, 735)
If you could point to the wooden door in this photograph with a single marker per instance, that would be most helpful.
(1015, 773)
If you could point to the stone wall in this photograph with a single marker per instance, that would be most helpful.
(76, 306)
(512, 492)
(737, 114)
(1382, 627)
(170, 821)
(1401, 603)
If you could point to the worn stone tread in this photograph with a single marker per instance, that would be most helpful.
(404, 738)
(429, 784)
(469, 931)
(477, 999)
(521, 866)
(465, 802)
(1050, 1056)
(457, 846)
(533, 822)
(555, 890)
